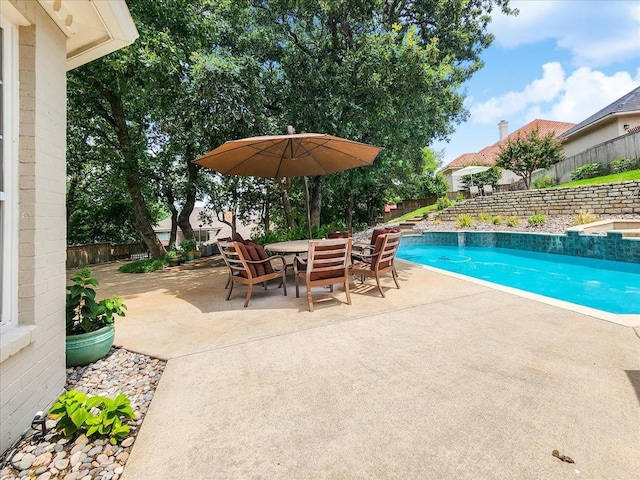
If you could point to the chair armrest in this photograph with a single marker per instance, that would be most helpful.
(298, 261)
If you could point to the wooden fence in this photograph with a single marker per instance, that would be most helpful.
(91, 254)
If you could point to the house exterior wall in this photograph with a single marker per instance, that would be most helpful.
(32, 353)
(599, 133)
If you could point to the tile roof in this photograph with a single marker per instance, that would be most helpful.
(628, 103)
(488, 155)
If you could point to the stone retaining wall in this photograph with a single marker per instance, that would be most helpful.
(611, 199)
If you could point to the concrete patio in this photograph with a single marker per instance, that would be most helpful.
(444, 378)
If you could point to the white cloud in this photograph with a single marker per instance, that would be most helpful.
(543, 89)
(554, 97)
(596, 33)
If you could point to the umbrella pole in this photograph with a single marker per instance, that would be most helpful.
(306, 200)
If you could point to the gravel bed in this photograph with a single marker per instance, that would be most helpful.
(78, 458)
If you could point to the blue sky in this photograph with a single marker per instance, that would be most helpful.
(557, 60)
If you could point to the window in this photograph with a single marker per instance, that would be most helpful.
(8, 172)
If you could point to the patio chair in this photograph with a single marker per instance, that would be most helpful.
(250, 266)
(327, 263)
(474, 191)
(361, 248)
(380, 262)
(487, 189)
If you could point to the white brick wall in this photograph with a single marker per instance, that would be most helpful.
(33, 374)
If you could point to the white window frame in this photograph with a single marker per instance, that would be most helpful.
(9, 189)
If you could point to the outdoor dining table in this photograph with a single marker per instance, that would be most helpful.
(289, 247)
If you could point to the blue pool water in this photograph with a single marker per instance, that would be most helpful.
(601, 284)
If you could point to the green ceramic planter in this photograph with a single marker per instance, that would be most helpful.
(88, 347)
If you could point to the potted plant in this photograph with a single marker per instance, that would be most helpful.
(90, 330)
(189, 247)
(173, 258)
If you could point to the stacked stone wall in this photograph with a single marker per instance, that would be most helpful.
(608, 199)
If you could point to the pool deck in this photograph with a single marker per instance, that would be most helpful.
(444, 378)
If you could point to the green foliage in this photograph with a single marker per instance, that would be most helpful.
(543, 182)
(485, 217)
(498, 220)
(623, 164)
(464, 220)
(84, 314)
(444, 202)
(94, 416)
(188, 245)
(459, 197)
(629, 175)
(488, 177)
(588, 170)
(513, 221)
(524, 155)
(145, 265)
(537, 219)
(584, 217)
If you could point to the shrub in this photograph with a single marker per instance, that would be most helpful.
(584, 217)
(464, 220)
(513, 221)
(444, 202)
(92, 415)
(537, 219)
(485, 217)
(437, 221)
(588, 170)
(623, 164)
(543, 182)
(497, 220)
(459, 197)
(142, 266)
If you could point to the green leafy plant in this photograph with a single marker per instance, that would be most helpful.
(464, 220)
(459, 197)
(444, 202)
(485, 217)
(513, 221)
(94, 416)
(536, 219)
(623, 164)
(588, 170)
(188, 245)
(145, 265)
(543, 182)
(498, 220)
(584, 217)
(84, 313)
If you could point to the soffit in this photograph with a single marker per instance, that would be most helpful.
(93, 28)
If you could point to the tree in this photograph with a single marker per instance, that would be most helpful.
(524, 155)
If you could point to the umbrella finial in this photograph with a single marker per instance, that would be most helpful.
(290, 130)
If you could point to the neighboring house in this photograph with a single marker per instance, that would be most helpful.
(40, 41)
(205, 232)
(489, 155)
(617, 119)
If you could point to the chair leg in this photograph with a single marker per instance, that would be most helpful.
(284, 282)
(394, 274)
(346, 289)
(230, 288)
(378, 283)
(309, 298)
(249, 290)
(297, 290)
(228, 280)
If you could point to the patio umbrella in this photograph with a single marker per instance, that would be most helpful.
(470, 170)
(291, 155)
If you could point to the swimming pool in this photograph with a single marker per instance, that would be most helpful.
(606, 285)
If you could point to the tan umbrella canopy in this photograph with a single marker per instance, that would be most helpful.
(291, 155)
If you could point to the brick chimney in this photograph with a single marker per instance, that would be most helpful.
(504, 129)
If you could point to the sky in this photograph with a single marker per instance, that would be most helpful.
(557, 60)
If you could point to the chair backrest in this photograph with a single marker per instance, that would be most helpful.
(385, 250)
(379, 231)
(232, 254)
(488, 189)
(328, 258)
(340, 233)
(474, 190)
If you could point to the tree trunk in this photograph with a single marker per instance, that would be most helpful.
(171, 204)
(315, 200)
(141, 222)
(348, 213)
(190, 199)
